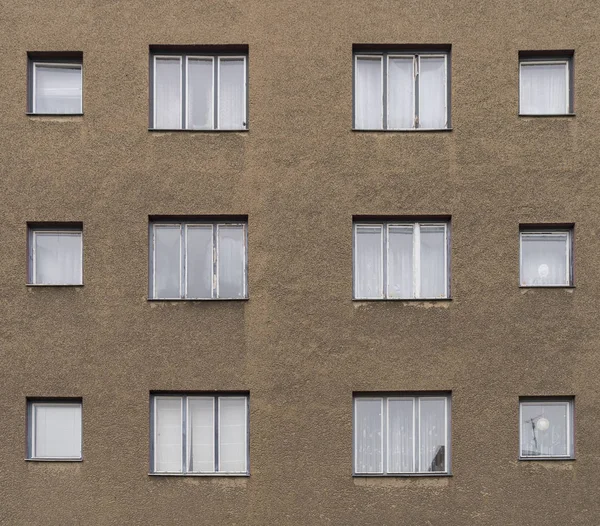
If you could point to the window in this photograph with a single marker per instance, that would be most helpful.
(401, 434)
(198, 260)
(545, 82)
(400, 90)
(546, 257)
(56, 254)
(546, 428)
(54, 430)
(55, 83)
(200, 434)
(400, 260)
(199, 91)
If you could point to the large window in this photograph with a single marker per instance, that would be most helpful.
(400, 260)
(400, 91)
(546, 427)
(401, 434)
(200, 434)
(546, 257)
(54, 430)
(55, 83)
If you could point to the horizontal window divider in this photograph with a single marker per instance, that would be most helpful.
(54, 459)
(197, 300)
(538, 115)
(206, 475)
(35, 114)
(416, 300)
(401, 475)
(46, 285)
(407, 130)
(547, 286)
(552, 459)
(169, 130)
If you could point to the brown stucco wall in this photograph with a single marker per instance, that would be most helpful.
(299, 345)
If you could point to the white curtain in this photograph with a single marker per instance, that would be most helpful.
(232, 435)
(368, 437)
(169, 435)
(57, 89)
(433, 261)
(368, 261)
(200, 93)
(199, 261)
(401, 87)
(544, 89)
(401, 436)
(400, 261)
(201, 435)
(544, 259)
(368, 93)
(232, 94)
(57, 430)
(230, 261)
(432, 92)
(550, 439)
(167, 93)
(432, 435)
(167, 261)
(57, 258)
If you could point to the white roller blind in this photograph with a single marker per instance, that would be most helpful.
(433, 261)
(232, 434)
(168, 434)
(199, 261)
(57, 430)
(201, 435)
(401, 86)
(200, 93)
(167, 93)
(57, 89)
(368, 439)
(368, 261)
(400, 261)
(232, 94)
(544, 88)
(167, 261)
(230, 261)
(432, 92)
(368, 93)
(57, 258)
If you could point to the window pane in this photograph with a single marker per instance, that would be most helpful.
(232, 434)
(57, 89)
(432, 434)
(201, 434)
(57, 258)
(168, 432)
(230, 261)
(400, 436)
(544, 259)
(368, 93)
(167, 93)
(200, 93)
(57, 431)
(400, 261)
(167, 261)
(432, 92)
(368, 439)
(368, 261)
(401, 85)
(543, 89)
(232, 78)
(545, 429)
(433, 261)
(199, 261)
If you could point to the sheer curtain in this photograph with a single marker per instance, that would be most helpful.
(401, 84)
(544, 89)
(201, 435)
(199, 261)
(433, 261)
(168, 433)
(432, 434)
(432, 92)
(400, 261)
(230, 261)
(167, 93)
(57, 430)
(368, 93)
(232, 94)
(535, 439)
(57, 89)
(368, 437)
(369, 261)
(200, 93)
(57, 258)
(544, 259)
(167, 261)
(232, 434)
(401, 436)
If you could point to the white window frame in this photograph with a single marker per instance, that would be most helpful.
(385, 436)
(33, 259)
(548, 62)
(416, 271)
(64, 65)
(31, 426)
(570, 403)
(185, 426)
(569, 255)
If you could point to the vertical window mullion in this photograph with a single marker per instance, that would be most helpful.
(384, 90)
(384, 259)
(416, 437)
(184, 421)
(217, 72)
(182, 257)
(385, 414)
(417, 261)
(184, 91)
(446, 287)
(215, 250)
(417, 98)
(217, 406)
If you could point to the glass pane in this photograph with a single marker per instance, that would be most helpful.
(169, 433)
(200, 93)
(57, 89)
(167, 261)
(433, 261)
(201, 434)
(368, 441)
(545, 429)
(432, 92)
(57, 258)
(232, 95)
(401, 86)
(368, 92)
(232, 435)
(400, 261)
(401, 436)
(544, 89)
(230, 261)
(368, 261)
(199, 261)
(544, 259)
(167, 93)
(57, 431)
(432, 434)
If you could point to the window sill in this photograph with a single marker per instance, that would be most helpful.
(31, 114)
(552, 459)
(402, 299)
(196, 299)
(408, 130)
(546, 286)
(54, 460)
(542, 115)
(179, 130)
(209, 475)
(35, 285)
(400, 475)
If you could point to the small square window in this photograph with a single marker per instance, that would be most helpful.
(546, 428)
(401, 434)
(55, 83)
(200, 434)
(54, 430)
(56, 255)
(546, 257)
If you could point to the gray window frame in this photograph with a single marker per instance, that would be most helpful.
(549, 230)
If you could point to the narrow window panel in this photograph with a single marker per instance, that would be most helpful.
(232, 94)
(57, 258)
(401, 432)
(368, 261)
(546, 429)
(168, 434)
(545, 259)
(200, 93)
(57, 88)
(544, 88)
(368, 93)
(57, 430)
(368, 440)
(231, 261)
(432, 434)
(433, 261)
(232, 435)
(199, 261)
(400, 261)
(201, 435)
(401, 96)
(167, 261)
(167, 93)
(432, 92)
